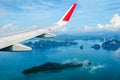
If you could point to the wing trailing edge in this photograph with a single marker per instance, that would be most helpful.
(17, 48)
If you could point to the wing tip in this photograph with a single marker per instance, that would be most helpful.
(64, 20)
(69, 13)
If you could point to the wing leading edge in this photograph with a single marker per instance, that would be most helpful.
(12, 42)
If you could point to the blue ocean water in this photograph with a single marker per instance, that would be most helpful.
(105, 64)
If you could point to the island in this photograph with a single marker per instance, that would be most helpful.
(48, 44)
(50, 66)
(111, 45)
(81, 47)
(96, 46)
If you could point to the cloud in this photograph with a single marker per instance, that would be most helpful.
(114, 25)
(94, 68)
(12, 28)
(87, 28)
(7, 27)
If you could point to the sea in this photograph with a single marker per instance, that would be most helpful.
(105, 64)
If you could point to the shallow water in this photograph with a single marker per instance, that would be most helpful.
(105, 64)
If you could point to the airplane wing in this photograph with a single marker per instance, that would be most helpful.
(12, 42)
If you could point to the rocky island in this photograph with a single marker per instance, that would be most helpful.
(111, 45)
(47, 44)
(96, 46)
(81, 47)
(49, 66)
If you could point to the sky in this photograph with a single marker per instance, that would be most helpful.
(90, 15)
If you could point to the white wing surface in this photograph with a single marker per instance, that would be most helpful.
(12, 42)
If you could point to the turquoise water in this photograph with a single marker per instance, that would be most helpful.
(105, 64)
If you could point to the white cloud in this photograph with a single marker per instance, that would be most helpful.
(114, 25)
(94, 68)
(87, 28)
(115, 20)
(12, 28)
(7, 27)
(100, 26)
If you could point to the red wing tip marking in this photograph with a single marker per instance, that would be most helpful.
(69, 13)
